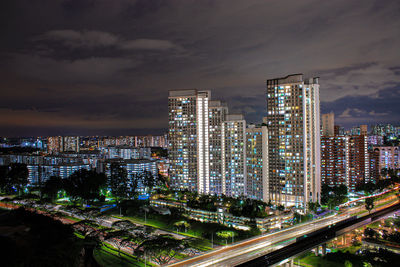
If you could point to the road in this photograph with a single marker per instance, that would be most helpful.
(319, 237)
(252, 248)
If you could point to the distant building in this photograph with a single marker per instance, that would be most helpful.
(364, 129)
(388, 157)
(293, 122)
(133, 168)
(38, 174)
(328, 123)
(375, 140)
(126, 152)
(58, 144)
(387, 130)
(359, 130)
(339, 130)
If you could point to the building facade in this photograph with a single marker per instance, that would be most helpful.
(188, 138)
(293, 122)
(217, 115)
(328, 124)
(358, 161)
(257, 162)
(234, 156)
(334, 160)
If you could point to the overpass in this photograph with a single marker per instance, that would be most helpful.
(318, 237)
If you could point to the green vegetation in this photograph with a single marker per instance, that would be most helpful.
(13, 178)
(108, 256)
(84, 185)
(369, 204)
(161, 248)
(226, 235)
(333, 196)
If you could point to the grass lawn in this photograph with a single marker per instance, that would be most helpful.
(106, 258)
(331, 260)
(310, 259)
(122, 257)
(196, 230)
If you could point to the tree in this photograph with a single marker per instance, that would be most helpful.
(84, 184)
(118, 183)
(148, 180)
(161, 249)
(384, 172)
(348, 263)
(14, 178)
(313, 206)
(124, 225)
(183, 224)
(121, 238)
(369, 204)
(163, 180)
(280, 208)
(333, 196)
(226, 235)
(52, 186)
(368, 188)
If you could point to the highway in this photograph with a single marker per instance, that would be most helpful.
(249, 249)
(254, 247)
(323, 235)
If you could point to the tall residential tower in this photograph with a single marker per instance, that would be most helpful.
(188, 138)
(293, 122)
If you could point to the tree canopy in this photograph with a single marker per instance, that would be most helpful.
(84, 184)
(13, 178)
(52, 186)
(161, 249)
(333, 195)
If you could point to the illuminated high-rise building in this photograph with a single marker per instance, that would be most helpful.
(234, 156)
(358, 161)
(71, 144)
(388, 157)
(257, 162)
(335, 160)
(217, 115)
(57, 144)
(293, 122)
(188, 139)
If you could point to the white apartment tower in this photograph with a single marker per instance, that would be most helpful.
(233, 140)
(217, 114)
(188, 139)
(293, 122)
(257, 162)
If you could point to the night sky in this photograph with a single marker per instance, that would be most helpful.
(105, 67)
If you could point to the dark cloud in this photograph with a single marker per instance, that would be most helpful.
(382, 107)
(105, 64)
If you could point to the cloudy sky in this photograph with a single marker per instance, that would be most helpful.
(105, 67)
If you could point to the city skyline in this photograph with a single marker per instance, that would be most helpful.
(74, 72)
